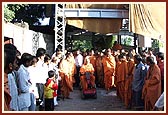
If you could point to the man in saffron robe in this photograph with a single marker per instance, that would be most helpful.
(152, 87)
(66, 76)
(99, 70)
(73, 67)
(87, 67)
(128, 81)
(118, 62)
(160, 63)
(122, 73)
(92, 58)
(109, 69)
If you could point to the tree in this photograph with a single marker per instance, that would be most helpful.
(103, 41)
(10, 11)
(156, 43)
(9, 15)
(24, 12)
(83, 45)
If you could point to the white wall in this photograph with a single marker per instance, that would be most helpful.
(144, 41)
(23, 37)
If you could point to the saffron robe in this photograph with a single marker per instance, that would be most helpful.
(73, 68)
(83, 70)
(128, 82)
(109, 71)
(99, 71)
(66, 78)
(122, 72)
(152, 87)
(93, 61)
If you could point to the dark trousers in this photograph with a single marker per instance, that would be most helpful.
(49, 104)
(59, 89)
(77, 77)
(40, 88)
(136, 98)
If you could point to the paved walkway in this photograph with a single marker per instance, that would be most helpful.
(104, 102)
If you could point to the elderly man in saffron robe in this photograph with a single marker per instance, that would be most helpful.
(87, 67)
(152, 87)
(109, 69)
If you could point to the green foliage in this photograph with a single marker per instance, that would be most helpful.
(10, 10)
(160, 44)
(127, 41)
(23, 12)
(156, 43)
(82, 45)
(108, 42)
(16, 7)
(102, 42)
(114, 38)
(9, 15)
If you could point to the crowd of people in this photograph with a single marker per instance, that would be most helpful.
(43, 79)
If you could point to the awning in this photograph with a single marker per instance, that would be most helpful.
(102, 26)
(149, 19)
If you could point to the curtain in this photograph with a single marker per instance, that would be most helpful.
(148, 19)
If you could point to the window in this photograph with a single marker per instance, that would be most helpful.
(127, 40)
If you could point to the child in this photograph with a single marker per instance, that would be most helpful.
(50, 88)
